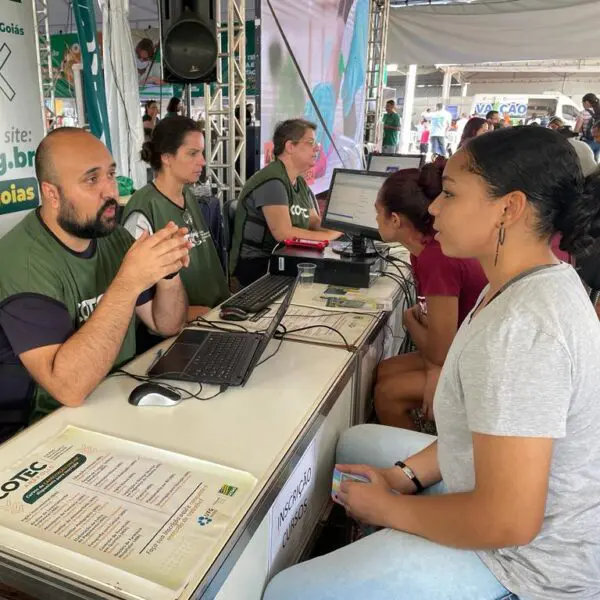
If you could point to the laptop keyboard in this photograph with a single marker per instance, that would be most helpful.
(220, 357)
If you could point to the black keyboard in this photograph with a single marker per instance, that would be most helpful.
(220, 358)
(261, 293)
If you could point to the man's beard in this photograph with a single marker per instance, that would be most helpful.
(90, 229)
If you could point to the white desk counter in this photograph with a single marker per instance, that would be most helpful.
(262, 429)
(282, 429)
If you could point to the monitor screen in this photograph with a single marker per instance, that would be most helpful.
(389, 163)
(351, 206)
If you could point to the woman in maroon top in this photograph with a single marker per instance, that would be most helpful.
(450, 287)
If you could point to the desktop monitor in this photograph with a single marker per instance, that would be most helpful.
(389, 163)
(351, 208)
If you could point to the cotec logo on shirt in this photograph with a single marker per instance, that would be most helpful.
(86, 307)
(299, 211)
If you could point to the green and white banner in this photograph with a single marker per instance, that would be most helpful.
(21, 124)
(93, 76)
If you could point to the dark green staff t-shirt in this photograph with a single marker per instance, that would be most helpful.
(47, 292)
(390, 136)
(150, 210)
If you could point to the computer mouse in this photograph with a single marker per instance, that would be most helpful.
(153, 394)
(232, 313)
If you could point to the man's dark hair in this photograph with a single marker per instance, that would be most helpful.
(492, 114)
(292, 130)
(439, 106)
(390, 102)
(44, 166)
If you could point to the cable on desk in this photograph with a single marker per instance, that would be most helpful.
(149, 378)
(220, 326)
(349, 348)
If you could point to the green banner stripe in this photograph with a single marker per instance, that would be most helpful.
(18, 194)
(42, 488)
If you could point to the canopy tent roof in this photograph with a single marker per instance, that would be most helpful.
(142, 14)
(493, 30)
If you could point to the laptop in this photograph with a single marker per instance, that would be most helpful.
(218, 357)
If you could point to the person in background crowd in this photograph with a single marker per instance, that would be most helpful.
(175, 107)
(250, 114)
(585, 121)
(392, 124)
(476, 126)
(449, 288)
(584, 152)
(76, 282)
(493, 119)
(556, 123)
(276, 203)
(596, 131)
(461, 124)
(512, 481)
(533, 120)
(150, 118)
(440, 120)
(175, 153)
(545, 120)
(452, 138)
(424, 137)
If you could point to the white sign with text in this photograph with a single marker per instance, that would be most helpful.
(21, 125)
(290, 512)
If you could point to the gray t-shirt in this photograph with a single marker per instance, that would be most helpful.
(270, 193)
(528, 365)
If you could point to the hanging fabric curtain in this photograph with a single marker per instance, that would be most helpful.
(93, 81)
(122, 93)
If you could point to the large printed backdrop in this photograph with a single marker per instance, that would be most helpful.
(21, 126)
(329, 41)
(66, 52)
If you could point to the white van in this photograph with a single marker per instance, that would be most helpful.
(522, 107)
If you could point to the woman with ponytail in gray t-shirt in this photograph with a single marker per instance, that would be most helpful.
(505, 502)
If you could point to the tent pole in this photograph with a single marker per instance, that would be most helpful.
(409, 101)
(446, 86)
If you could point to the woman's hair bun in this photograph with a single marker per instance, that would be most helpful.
(579, 221)
(430, 178)
(147, 151)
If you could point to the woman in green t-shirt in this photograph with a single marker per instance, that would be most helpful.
(175, 153)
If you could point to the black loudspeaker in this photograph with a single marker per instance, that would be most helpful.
(189, 40)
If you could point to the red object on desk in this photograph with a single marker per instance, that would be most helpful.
(319, 245)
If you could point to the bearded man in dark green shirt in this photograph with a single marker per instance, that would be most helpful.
(72, 283)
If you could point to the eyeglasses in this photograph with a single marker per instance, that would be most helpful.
(311, 143)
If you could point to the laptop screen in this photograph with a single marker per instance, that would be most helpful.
(280, 313)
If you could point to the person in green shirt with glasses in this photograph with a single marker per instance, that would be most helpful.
(391, 128)
(276, 203)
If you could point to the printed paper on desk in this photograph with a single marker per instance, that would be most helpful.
(146, 511)
(352, 326)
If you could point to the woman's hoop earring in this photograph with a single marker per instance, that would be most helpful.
(501, 238)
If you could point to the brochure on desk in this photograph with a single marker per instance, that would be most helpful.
(151, 513)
